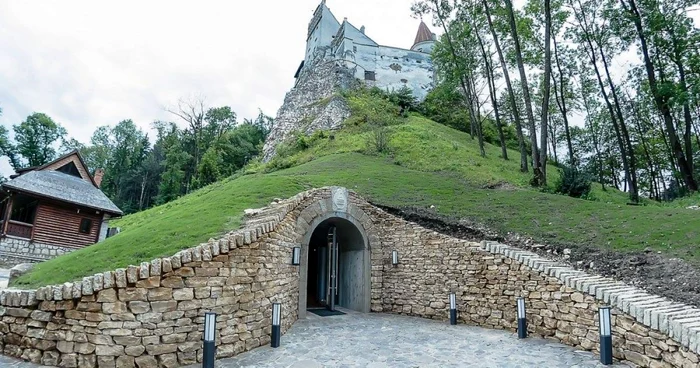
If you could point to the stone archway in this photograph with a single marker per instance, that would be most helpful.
(356, 272)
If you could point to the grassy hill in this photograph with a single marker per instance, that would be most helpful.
(430, 166)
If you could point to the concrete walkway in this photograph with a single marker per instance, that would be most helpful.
(384, 340)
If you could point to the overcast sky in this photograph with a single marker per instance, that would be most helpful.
(92, 63)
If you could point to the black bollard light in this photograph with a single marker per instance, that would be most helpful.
(522, 322)
(395, 257)
(453, 309)
(209, 353)
(276, 329)
(606, 356)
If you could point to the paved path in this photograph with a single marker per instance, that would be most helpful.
(383, 340)
(391, 341)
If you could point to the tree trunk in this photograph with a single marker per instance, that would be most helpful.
(511, 95)
(594, 137)
(591, 52)
(553, 140)
(537, 164)
(634, 190)
(562, 104)
(661, 102)
(546, 89)
(492, 95)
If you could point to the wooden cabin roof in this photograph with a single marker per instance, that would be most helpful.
(79, 188)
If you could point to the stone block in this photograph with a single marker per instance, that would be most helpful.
(133, 294)
(114, 308)
(109, 350)
(139, 307)
(146, 362)
(149, 283)
(161, 349)
(164, 306)
(144, 270)
(107, 296)
(160, 294)
(134, 350)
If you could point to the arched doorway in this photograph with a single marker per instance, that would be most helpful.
(335, 268)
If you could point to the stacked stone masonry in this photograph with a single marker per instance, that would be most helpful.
(151, 315)
(16, 250)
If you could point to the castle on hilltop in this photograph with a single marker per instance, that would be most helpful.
(340, 56)
(386, 67)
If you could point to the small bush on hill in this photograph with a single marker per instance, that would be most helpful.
(404, 99)
(371, 106)
(573, 182)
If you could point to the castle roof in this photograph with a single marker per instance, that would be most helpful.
(423, 34)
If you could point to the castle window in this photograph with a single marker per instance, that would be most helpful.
(370, 76)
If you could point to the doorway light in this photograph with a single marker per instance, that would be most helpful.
(296, 256)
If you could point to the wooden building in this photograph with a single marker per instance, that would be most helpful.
(52, 209)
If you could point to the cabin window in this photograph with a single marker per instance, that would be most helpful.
(70, 169)
(23, 209)
(370, 76)
(85, 226)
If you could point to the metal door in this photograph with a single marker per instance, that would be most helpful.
(332, 268)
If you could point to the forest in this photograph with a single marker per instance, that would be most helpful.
(605, 88)
(140, 172)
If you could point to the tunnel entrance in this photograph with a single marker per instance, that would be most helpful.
(337, 266)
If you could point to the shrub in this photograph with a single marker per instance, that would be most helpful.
(573, 182)
(379, 138)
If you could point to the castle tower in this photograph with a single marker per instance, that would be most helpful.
(322, 28)
(425, 39)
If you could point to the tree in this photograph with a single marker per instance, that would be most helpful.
(35, 141)
(509, 86)
(537, 164)
(683, 156)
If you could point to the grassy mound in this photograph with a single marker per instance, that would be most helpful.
(430, 166)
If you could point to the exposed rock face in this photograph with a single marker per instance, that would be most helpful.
(312, 104)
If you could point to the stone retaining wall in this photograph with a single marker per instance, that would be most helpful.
(561, 303)
(151, 315)
(16, 250)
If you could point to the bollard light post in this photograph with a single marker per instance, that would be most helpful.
(209, 353)
(296, 256)
(453, 309)
(522, 321)
(395, 257)
(606, 356)
(276, 322)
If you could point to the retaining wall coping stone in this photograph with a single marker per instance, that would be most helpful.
(677, 320)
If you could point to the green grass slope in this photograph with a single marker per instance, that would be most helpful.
(430, 165)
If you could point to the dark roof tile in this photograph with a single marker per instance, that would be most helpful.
(63, 187)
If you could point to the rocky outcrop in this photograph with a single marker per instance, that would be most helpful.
(313, 104)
